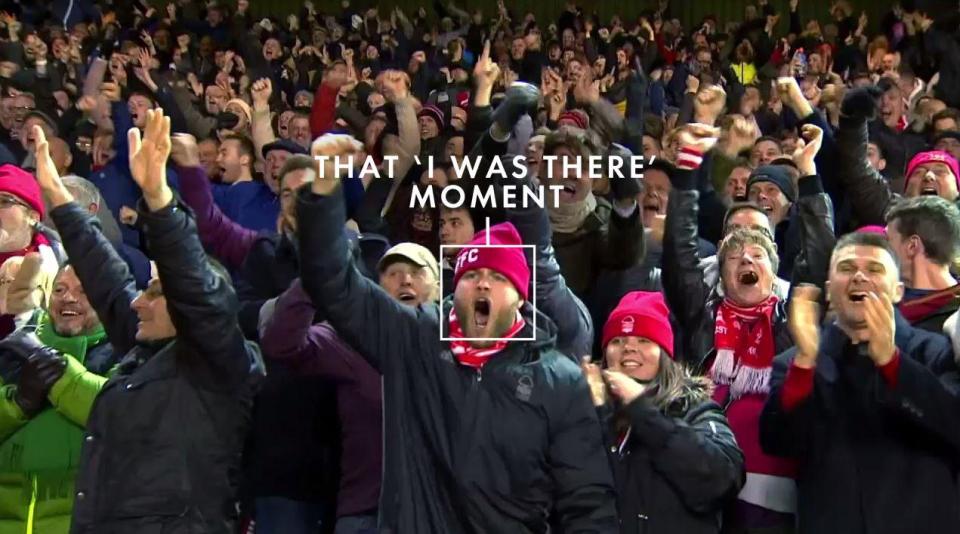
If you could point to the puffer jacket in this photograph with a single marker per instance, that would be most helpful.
(39, 455)
(467, 450)
(139, 470)
(675, 468)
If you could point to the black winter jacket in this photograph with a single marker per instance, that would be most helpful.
(553, 297)
(872, 458)
(292, 449)
(165, 433)
(466, 451)
(694, 304)
(675, 471)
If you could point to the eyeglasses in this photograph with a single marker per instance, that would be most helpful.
(7, 201)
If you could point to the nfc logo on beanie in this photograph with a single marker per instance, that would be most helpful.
(626, 326)
(467, 256)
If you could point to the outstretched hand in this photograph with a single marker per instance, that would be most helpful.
(47, 176)
(148, 159)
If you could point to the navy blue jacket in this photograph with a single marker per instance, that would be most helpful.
(465, 451)
(872, 458)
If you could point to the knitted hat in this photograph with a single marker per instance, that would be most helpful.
(641, 314)
(434, 113)
(872, 229)
(243, 106)
(508, 261)
(578, 117)
(934, 156)
(776, 175)
(22, 185)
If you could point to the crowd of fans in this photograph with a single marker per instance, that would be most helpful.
(760, 335)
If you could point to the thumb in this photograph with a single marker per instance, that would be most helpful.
(29, 270)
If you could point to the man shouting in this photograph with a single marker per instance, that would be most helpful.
(480, 436)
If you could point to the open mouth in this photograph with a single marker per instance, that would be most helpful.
(569, 191)
(69, 313)
(857, 296)
(481, 312)
(407, 297)
(929, 190)
(630, 365)
(748, 278)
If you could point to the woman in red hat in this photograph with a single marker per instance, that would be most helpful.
(674, 456)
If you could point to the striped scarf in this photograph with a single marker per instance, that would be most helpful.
(476, 357)
(745, 347)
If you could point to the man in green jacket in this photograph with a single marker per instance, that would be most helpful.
(51, 371)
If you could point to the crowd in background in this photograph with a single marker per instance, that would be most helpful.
(759, 335)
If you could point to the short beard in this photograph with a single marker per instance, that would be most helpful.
(502, 323)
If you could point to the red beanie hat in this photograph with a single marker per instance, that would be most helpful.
(508, 261)
(641, 314)
(935, 156)
(434, 113)
(22, 185)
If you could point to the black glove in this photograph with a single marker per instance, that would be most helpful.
(41, 370)
(861, 103)
(21, 344)
(626, 187)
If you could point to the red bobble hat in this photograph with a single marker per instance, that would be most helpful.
(508, 261)
(22, 185)
(641, 314)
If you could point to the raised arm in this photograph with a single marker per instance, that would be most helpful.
(201, 302)
(262, 130)
(868, 191)
(224, 238)
(554, 298)
(684, 287)
(291, 337)
(104, 275)
(366, 317)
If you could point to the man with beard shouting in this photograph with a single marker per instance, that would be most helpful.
(480, 436)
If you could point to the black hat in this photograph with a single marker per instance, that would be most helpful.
(283, 144)
(776, 175)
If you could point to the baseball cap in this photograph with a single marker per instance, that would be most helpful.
(412, 252)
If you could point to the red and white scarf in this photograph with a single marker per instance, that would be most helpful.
(476, 357)
(745, 347)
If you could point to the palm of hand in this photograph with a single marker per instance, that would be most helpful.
(47, 175)
(148, 157)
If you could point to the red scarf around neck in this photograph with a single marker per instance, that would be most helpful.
(476, 357)
(745, 347)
